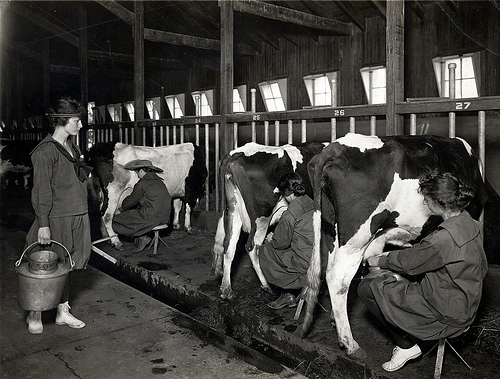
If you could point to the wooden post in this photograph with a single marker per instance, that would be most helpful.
(226, 74)
(394, 52)
(84, 67)
(138, 64)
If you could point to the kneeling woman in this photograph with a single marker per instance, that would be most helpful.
(452, 264)
(285, 259)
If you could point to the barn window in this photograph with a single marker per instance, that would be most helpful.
(90, 112)
(465, 75)
(115, 111)
(319, 88)
(274, 95)
(129, 106)
(204, 102)
(374, 82)
(239, 98)
(153, 106)
(175, 104)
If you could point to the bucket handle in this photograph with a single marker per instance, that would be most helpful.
(71, 262)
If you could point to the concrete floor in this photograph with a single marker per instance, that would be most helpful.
(181, 276)
(128, 335)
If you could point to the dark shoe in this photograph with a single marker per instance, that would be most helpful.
(285, 300)
(142, 242)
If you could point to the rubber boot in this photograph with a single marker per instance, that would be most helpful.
(65, 318)
(34, 321)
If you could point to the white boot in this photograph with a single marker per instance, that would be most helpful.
(34, 321)
(65, 318)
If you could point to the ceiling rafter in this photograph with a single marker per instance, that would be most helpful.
(276, 12)
(357, 18)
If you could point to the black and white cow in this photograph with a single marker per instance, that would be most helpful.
(249, 178)
(366, 184)
(184, 174)
(15, 163)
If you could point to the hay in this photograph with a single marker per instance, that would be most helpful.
(487, 332)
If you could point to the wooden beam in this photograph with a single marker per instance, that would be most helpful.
(118, 10)
(139, 60)
(350, 11)
(394, 52)
(226, 74)
(83, 55)
(44, 23)
(99, 55)
(275, 12)
(181, 39)
(416, 8)
(380, 7)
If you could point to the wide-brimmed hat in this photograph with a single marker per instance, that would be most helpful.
(136, 164)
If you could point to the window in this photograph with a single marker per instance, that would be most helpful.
(153, 106)
(465, 75)
(115, 111)
(319, 88)
(274, 95)
(175, 104)
(374, 82)
(90, 112)
(129, 106)
(204, 102)
(239, 98)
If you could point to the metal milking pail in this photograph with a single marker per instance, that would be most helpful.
(40, 281)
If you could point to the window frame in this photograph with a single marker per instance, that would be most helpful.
(441, 72)
(207, 95)
(282, 85)
(367, 76)
(309, 82)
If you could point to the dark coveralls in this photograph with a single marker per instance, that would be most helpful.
(445, 301)
(147, 206)
(285, 260)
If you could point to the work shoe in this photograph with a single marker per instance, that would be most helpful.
(400, 357)
(34, 321)
(142, 242)
(285, 300)
(65, 318)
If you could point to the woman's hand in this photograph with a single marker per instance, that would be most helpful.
(44, 235)
(374, 261)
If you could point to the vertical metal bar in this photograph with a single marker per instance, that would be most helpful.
(266, 133)
(197, 134)
(181, 131)
(120, 134)
(154, 136)
(451, 120)
(352, 125)
(373, 125)
(174, 135)
(143, 136)
(276, 133)
(413, 124)
(132, 136)
(333, 129)
(167, 135)
(217, 152)
(481, 142)
(290, 132)
(334, 92)
(161, 135)
(235, 135)
(207, 163)
(304, 131)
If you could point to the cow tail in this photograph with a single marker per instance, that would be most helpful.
(314, 271)
(218, 248)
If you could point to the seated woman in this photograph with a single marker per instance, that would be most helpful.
(147, 206)
(285, 258)
(452, 264)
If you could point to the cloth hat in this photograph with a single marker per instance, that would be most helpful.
(136, 164)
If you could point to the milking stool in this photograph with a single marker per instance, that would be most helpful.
(440, 354)
(157, 238)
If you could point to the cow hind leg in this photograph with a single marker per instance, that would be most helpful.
(187, 219)
(218, 249)
(177, 210)
(341, 269)
(232, 237)
(258, 239)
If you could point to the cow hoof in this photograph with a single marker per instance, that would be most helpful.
(227, 295)
(359, 354)
(177, 227)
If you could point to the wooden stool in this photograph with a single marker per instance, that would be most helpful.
(440, 355)
(157, 238)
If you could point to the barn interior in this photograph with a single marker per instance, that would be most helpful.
(224, 73)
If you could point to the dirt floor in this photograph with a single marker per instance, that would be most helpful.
(182, 276)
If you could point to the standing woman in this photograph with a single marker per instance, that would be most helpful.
(452, 265)
(59, 198)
